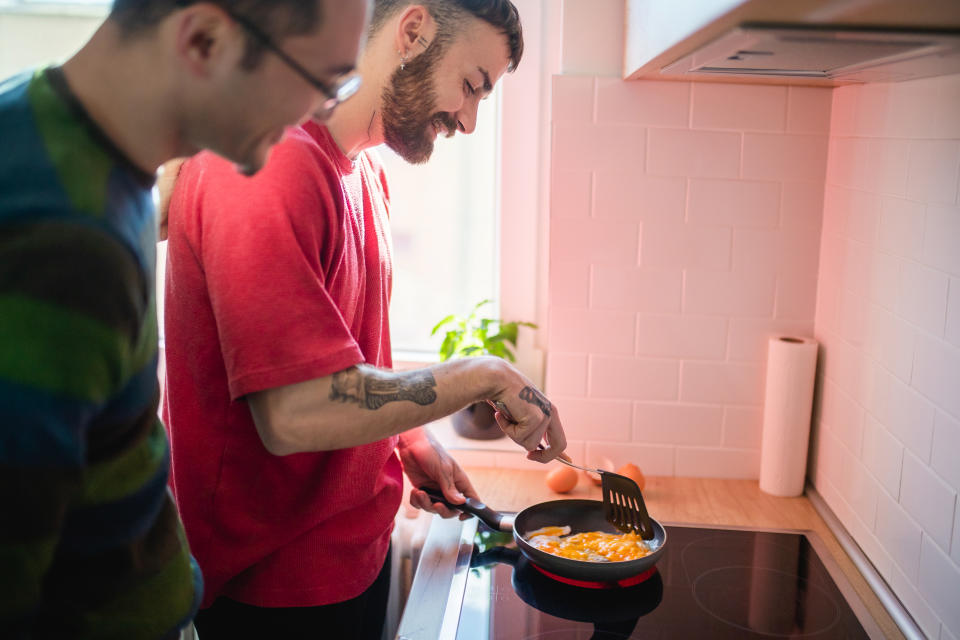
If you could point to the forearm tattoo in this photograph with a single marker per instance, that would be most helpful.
(531, 395)
(372, 389)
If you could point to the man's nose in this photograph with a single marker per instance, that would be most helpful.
(467, 117)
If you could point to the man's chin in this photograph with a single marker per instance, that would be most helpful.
(416, 155)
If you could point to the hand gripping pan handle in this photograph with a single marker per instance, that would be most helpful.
(491, 517)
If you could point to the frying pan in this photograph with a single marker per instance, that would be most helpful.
(614, 613)
(580, 516)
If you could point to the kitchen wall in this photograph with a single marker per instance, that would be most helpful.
(690, 222)
(886, 451)
(684, 233)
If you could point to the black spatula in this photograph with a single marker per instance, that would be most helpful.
(622, 499)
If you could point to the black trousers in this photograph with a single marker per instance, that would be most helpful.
(360, 618)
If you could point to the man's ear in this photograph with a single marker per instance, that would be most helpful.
(416, 30)
(205, 36)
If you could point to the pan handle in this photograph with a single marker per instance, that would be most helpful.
(506, 555)
(492, 518)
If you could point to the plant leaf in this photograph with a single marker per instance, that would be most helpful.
(509, 332)
(474, 335)
(449, 318)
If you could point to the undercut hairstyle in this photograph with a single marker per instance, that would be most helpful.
(450, 14)
(276, 18)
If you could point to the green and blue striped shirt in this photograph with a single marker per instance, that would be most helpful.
(90, 541)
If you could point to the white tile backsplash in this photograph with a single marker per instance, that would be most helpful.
(936, 373)
(681, 336)
(783, 157)
(654, 460)
(906, 414)
(953, 313)
(940, 583)
(717, 463)
(933, 174)
(890, 236)
(923, 297)
(722, 214)
(614, 288)
(680, 424)
(898, 531)
(695, 154)
(721, 382)
(946, 449)
(916, 602)
(633, 378)
(651, 103)
(930, 500)
(941, 240)
(736, 203)
(955, 543)
(883, 455)
(739, 107)
(808, 109)
(742, 427)
(901, 227)
(624, 195)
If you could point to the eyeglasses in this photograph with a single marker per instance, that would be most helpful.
(343, 88)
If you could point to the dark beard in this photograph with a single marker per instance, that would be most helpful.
(408, 108)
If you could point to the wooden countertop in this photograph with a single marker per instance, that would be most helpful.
(696, 501)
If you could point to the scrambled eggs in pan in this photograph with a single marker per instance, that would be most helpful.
(591, 546)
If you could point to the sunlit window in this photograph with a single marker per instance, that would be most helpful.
(443, 217)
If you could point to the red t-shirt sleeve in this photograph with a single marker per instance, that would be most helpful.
(266, 244)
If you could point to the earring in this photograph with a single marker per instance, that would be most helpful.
(403, 60)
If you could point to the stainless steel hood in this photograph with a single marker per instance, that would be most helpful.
(835, 54)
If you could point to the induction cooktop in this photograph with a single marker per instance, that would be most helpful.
(709, 583)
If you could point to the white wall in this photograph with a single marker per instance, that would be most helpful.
(886, 453)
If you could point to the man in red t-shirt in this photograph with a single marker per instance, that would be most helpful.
(289, 429)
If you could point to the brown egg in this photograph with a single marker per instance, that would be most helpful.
(561, 479)
(633, 472)
(606, 464)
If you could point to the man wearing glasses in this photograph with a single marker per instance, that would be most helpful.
(91, 545)
(289, 428)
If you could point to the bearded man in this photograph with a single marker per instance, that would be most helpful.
(289, 429)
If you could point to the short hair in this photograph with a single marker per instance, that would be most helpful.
(501, 14)
(276, 18)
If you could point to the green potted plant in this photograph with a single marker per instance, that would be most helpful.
(474, 335)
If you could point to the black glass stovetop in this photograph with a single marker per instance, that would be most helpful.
(709, 583)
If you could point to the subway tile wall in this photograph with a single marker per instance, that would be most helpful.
(886, 444)
(685, 227)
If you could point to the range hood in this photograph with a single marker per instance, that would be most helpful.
(835, 55)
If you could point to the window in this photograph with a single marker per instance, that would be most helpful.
(443, 221)
(56, 2)
(34, 33)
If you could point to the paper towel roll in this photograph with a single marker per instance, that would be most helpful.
(788, 401)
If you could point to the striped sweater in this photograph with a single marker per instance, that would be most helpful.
(90, 541)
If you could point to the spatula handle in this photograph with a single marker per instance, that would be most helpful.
(491, 517)
(576, 466)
